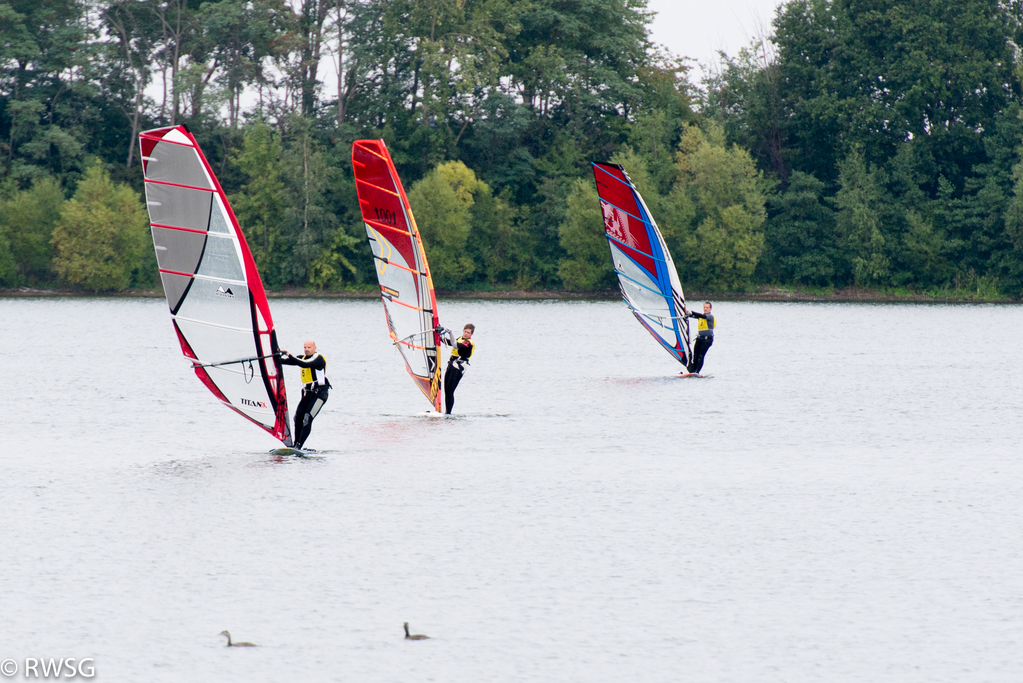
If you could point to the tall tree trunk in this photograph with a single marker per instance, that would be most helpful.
(340, 66)
(314, 13)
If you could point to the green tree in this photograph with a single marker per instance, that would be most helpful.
(499, 244)
(442, 203)
(259, 205)
(8, 266)
(102, 239)
(1011, 262)
(308, 223)
(587, 266)
(861, 203)
(28, 217)
(800, 240)
(722, 245)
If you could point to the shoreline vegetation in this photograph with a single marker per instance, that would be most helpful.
(765, 293)
(848, 153)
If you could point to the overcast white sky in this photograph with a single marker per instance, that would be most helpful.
(699, 28)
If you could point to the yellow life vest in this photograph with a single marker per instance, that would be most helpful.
(454, 349)
(309, 375)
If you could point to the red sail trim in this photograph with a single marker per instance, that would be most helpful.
(187, 187)
(272, 432)
(175, 227)
(391, 264)
(194, 144)
(175, 272)
(375, 186)
(402, 303)
(186, 348)
(385, 226)
(201, 373)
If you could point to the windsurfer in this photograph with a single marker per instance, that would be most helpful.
(461, 352)
(314, 392)
(704, 338)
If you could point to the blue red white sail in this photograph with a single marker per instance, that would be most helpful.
(217, 302)
(646, 274)
(406, 288)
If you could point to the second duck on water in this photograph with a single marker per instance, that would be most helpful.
(242, 644)
(414, 636)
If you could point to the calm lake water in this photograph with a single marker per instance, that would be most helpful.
(841, 500)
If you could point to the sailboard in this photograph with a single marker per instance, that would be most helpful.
(646, 274)
(217, 303)
(406, 288)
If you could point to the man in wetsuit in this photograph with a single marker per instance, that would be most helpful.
(704, 338)
(314, 392)
(461, 352)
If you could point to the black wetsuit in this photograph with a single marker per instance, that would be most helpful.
(314, 392)
(704, 340)
(460, 353)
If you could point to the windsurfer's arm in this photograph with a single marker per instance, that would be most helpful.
(316, 363)
(446, 335)
(694, 314)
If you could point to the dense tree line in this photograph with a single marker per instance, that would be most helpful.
(872, 144)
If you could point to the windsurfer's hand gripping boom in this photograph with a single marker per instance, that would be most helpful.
(446, 335)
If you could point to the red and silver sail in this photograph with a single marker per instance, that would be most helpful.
(406, 287)
(217, 303)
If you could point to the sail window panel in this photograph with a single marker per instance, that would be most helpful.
(179, 206)
(646, 301)
(221, 259)
(178, 250)
(665, 335)
(174, 287)
(218, 303)
(408, 326)
(172, 163)
(216, 344)
(392, 267)
(630, 269)
(642, 292)
(219, 221)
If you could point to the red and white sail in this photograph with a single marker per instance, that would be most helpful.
(646, 274)
(406, 287)
(217, 303)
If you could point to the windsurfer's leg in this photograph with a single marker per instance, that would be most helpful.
(451, 379)
(311, 410)
(302, 418)
(699, 352)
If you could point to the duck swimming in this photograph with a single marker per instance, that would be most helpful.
(414, 636)
(230, 644)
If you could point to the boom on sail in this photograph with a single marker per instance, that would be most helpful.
(646, 274)
(217, 303)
